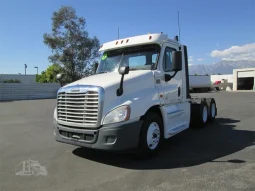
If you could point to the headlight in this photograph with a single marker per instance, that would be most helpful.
(119, 114)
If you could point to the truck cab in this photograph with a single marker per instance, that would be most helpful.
(138, 97)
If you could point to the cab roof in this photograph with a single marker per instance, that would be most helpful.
(157, 38)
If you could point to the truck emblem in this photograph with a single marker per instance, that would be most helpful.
(75, 90)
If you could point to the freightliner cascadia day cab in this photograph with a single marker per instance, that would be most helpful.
(138, 96)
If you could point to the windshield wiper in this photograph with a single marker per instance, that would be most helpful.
(102, 72)
(132, 69)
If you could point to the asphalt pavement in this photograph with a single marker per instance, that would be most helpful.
(218, 157)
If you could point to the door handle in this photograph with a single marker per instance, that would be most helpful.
(179, 91)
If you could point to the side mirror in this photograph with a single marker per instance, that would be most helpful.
(124, 70)
(95, 67)
(177, 61)
(59, 76)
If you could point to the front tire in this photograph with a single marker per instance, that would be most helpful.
(151, 135)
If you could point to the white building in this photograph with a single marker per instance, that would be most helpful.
(241, 79)
(244, 79)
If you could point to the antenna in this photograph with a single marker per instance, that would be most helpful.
(179, 27)
(118, 33)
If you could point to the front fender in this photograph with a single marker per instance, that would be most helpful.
(138, 100)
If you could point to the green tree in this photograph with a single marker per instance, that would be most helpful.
(70, 43)
(49, 75)
(41, 78)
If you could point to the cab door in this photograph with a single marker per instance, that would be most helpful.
(170, 91)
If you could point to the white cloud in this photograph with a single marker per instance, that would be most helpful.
(199, 59)
(190, 59)
(234, 53)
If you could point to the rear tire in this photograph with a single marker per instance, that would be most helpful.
(151, 135)
(211, 104)
(199, 114)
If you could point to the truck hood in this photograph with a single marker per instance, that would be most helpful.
(111, 79)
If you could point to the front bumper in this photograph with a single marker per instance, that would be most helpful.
(115, 137)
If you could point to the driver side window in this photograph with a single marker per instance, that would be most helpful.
(167, 61)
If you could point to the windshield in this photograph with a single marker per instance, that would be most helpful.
(137, 58)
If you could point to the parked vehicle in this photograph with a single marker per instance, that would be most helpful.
(138, 97)
(200, 83)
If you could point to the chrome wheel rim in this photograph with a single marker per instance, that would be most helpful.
(213, 110)
(205, 114)
(153, 135)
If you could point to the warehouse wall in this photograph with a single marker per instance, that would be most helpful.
(19, 91)
(244, 70)
(22, 78)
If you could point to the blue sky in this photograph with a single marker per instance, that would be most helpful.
(206, 26)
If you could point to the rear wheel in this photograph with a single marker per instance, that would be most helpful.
(212, 109)
(199, 114)
(204, 114)
(151, 135)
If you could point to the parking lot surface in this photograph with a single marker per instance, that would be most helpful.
(218, 157)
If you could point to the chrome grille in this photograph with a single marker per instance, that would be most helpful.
(82, 108)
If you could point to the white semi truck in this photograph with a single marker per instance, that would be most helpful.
(138, 96)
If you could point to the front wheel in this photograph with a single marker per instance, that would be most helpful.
(151, 135)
